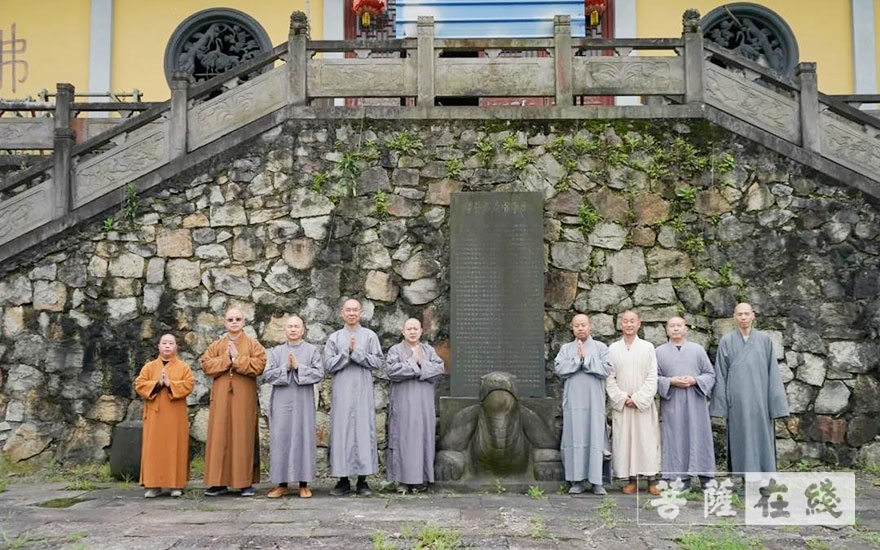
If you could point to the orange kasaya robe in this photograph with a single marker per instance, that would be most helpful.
(232, 450)
(165, 440)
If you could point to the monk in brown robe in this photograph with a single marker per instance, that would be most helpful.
(164, 384)
(232, 450)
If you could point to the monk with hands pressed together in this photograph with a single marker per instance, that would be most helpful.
(164, 383)
(231, 452)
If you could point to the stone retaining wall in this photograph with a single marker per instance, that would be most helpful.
(664, 218)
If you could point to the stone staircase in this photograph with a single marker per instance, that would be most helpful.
(689, 79)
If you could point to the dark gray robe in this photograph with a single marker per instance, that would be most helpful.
(749, 393)
(584, 428)
(292, 412)
(353, 449)
(412, 421)
(685, 427)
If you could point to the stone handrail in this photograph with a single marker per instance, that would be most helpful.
(79, 182)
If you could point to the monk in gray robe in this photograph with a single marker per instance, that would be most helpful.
(351, 354)
(685, 379)
(412, 367)
(583, 365)
(749, 393)
(292, 370)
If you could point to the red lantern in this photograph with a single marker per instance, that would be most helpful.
(367, 9)
(594, 9)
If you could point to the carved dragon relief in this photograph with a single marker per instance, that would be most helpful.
(850, 146)
(383, 78)
(650, 74)
(24, 212)
(118, 166)
(753, 103)
(232, 110)
(16, 133)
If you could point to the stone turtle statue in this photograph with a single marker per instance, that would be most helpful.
(498, 436)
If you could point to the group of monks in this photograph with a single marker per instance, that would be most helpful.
(745, 387)
(234, 362)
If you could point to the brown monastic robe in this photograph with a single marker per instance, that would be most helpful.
(232, 450)
(165, 446)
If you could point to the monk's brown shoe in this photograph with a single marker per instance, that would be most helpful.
(279, 492)
(629, 489)
(653, 489)
(305, 492)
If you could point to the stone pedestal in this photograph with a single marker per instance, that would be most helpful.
(499, 435)
(125, 451)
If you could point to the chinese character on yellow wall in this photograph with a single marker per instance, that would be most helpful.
(10, 49)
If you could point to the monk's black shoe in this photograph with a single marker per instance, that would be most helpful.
(216, 491)
(341, 488)
(363, 489)
(576, 489)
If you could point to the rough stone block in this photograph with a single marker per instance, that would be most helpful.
(125, 451)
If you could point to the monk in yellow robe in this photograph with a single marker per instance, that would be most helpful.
(232, 450)
(164, 384)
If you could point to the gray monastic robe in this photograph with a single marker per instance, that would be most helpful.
(685, 428)
(584, 428)
(750, 394)
(292, 412)
(353, 448)
(412, 421)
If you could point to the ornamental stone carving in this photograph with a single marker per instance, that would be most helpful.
(754, 32)
(214, 41)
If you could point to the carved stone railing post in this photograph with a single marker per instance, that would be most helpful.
(63, 145)
(177, 124)
(692, 35)
(425, 60)
(297, 40)
(809, 106)
(562, 55)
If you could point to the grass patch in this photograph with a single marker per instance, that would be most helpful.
(76, 536)
(871, 537)
(815, 543)
(434, 537)
(872, 468)
(9, 469)
(381, 542)
(23, 540)
(197, 467)
(536, 492)
(724, 538)
(81, 484)
(607, 512)
(537, 528)
(499, 487)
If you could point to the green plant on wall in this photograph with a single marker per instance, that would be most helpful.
(484, 149)
(380, 201)
(454, 168)
(511, 144)
(349, 170)
(130, 205)
(404, 143)
(318, 182)
(589, 217)
(371, 151)
(523, 161)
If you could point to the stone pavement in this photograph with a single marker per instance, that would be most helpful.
(116, 516)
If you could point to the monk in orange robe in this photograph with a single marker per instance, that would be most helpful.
(232, 450)
(164, 384)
